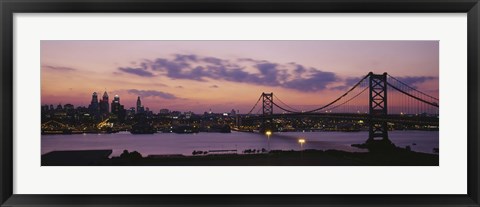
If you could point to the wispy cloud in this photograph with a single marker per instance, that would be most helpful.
(58, 68)
(137, 71)
(152, 93)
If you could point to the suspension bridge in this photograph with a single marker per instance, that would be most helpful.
(378, 99)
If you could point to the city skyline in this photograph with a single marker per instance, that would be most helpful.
(224, 75)
(104, 105)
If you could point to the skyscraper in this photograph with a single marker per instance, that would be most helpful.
(115, 104)
(139, 106)
(104, 105)
(118, 109)
(94, 109)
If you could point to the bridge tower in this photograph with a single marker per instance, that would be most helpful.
(267, 111)
(378, 130)
(267, 104)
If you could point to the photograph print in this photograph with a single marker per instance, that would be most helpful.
(239, 103)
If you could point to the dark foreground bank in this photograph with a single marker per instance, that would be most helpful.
(394, 157)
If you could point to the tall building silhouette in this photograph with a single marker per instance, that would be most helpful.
(115, 104)
(105, 100)
(139, 106)
(94, 107)
(118, 109)
(104, 105)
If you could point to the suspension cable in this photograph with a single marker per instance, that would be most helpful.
(411, 88)
(258, 111)
(259, 98)
(419, 99)
(284, 108)
(345, 94)
(358, 94)
(296, 110)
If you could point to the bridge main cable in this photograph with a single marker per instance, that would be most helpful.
(336, 100)
(345, 102)
(412, 96)
(284, 108)
(259, 98)
(412, 88)
(294, 110)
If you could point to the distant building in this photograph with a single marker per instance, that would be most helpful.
(115, 107)
(118, 109)
(140, 108)
(139, 104)
(104, 105)
(94, 107)
(131, 112)
(68, 107)
(148, 112)
(164, 111)
(233, 112)
(188, 114)
(176, 113)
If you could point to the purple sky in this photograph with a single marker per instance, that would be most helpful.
(225, 75)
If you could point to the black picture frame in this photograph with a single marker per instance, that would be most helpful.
(10, 7)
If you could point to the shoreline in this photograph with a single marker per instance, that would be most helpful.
(393, 157)
(161, 132)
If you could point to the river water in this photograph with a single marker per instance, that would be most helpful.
(171, 143)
